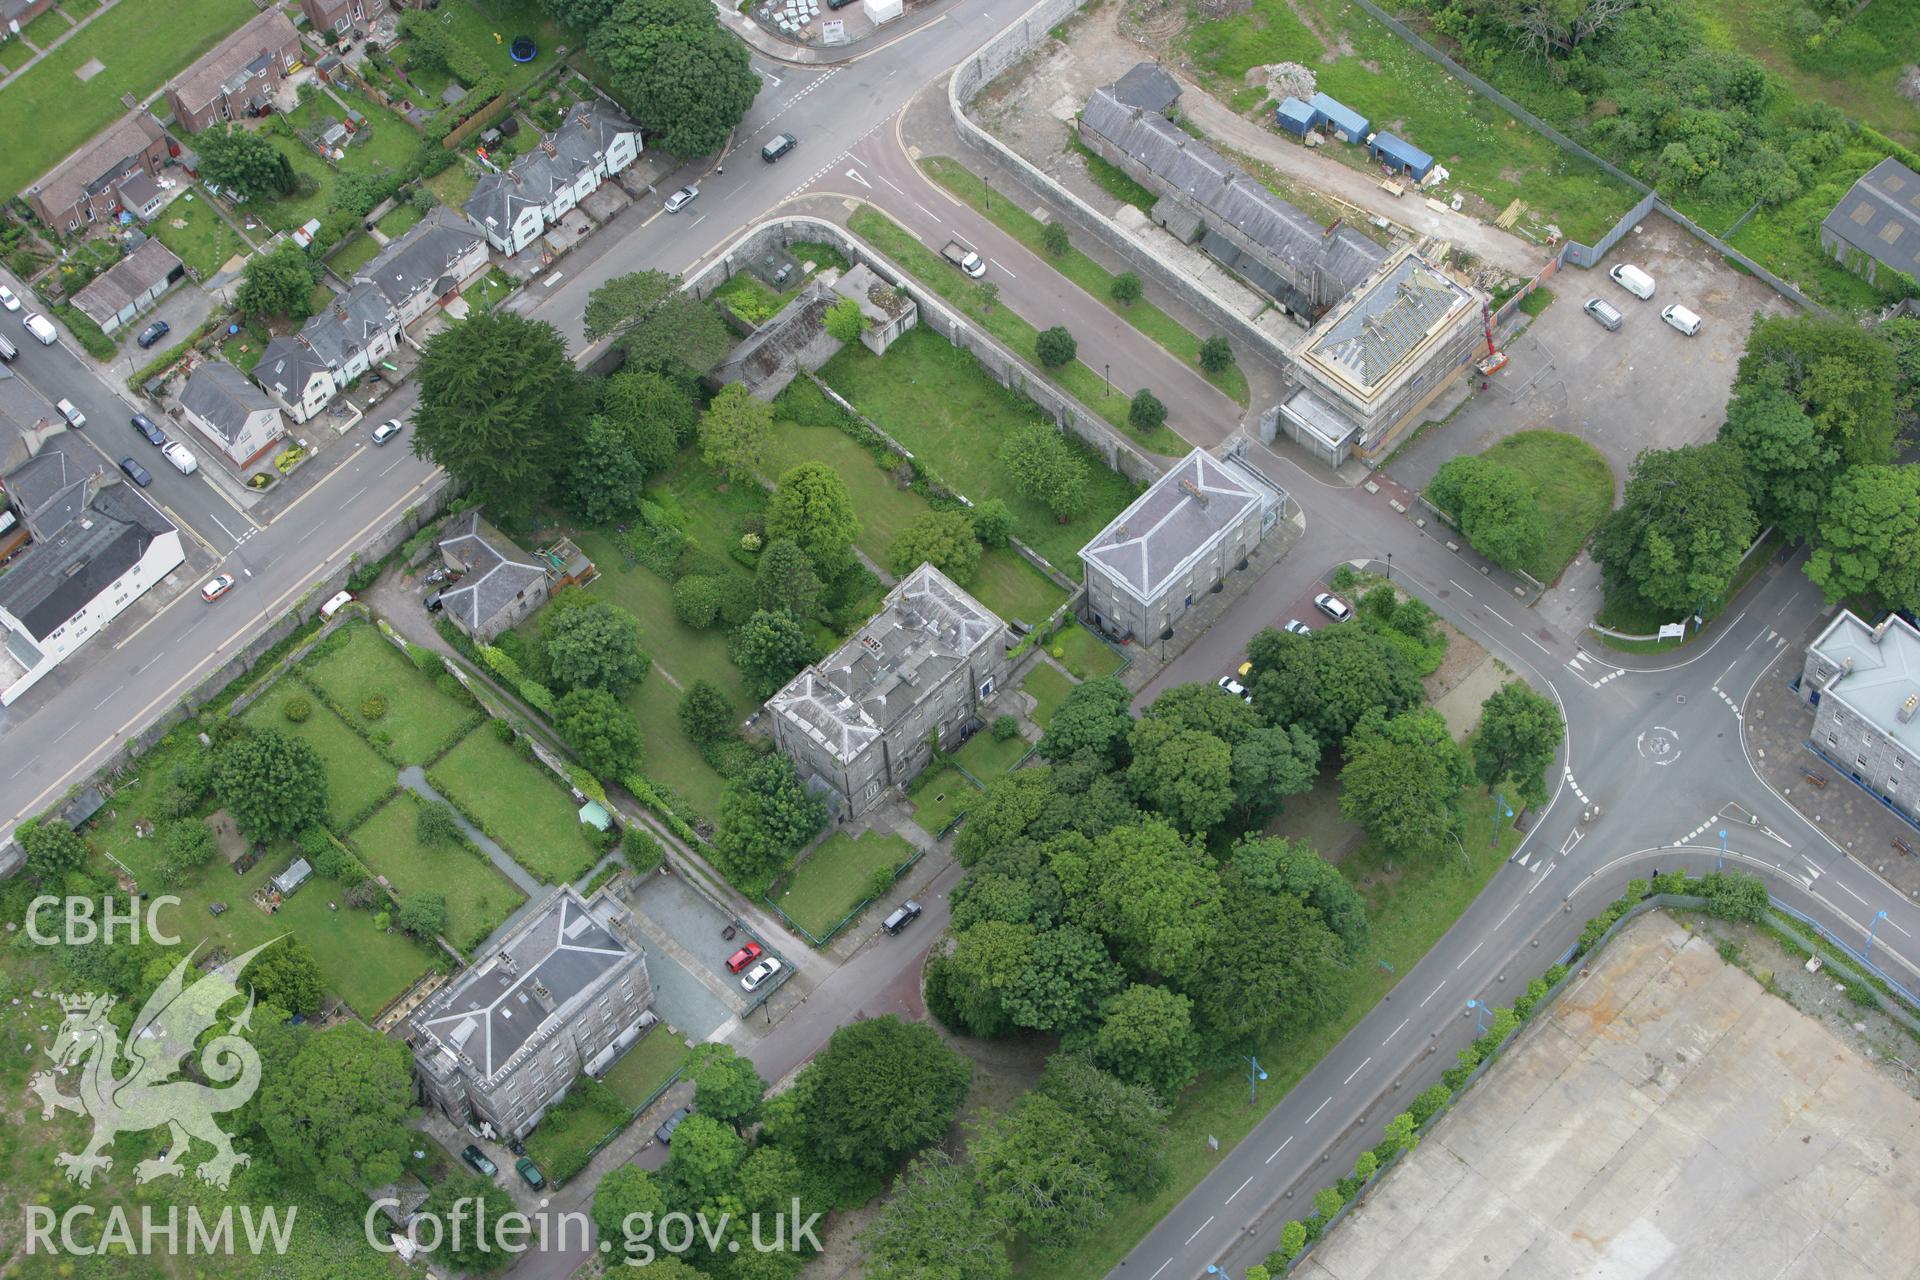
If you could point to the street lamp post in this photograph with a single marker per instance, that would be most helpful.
(988, 183)
(1106, 375)
(1479, 1011)
(1871, 926)
(1389, 566)
(1255, 1074)
(1500, 810)
(1723, 850)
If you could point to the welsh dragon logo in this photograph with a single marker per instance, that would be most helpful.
(143, 1095)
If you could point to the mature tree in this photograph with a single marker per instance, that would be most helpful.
(784, 580)
(943, 538)
(1844, 376)
(1183, 774)
(1902, 334)
(845, 321)
(1870, 537)
(1043, 1174)
(272, 783)
(702, 1162)
(594, 646)
(770, 647)
(936, 1224)
(1045, 468)
(336, 1115)
(1678, 535)
(1127, 1121)
(706, 713)
(277, 284)
(1153, 893)
(1145, 1036)
(993, 522)
(1519, 732)
(726, 1086)
(603, 478)
(658, 411)
(1791, 468)
(1055, 347)
(434, 823)
(1067, 976)
(1270, 865)
(664, 331)
(186, 845)
(245, 164)
(469, 1251)
(287, 975)
(1053, 237)
(1328, 680)
(1093, 722)
(765, 814)
(812, 508)
(601, 731)
(987, 960)
(697, 600)
(735, 432)
(1124, 288)
(1271, 763)
(1279, 972)
(1216, 354)
(881, 1090)
(1497, 506)
(1402, 780)
(52, 848)
(584, 16)
(498, 404)
(423, 914)
(1146, 414)
(1207, 707)
(672, 63)
(627, 1204)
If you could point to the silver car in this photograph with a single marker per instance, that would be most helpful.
(387, 430)
(754, 978)
(681, 199)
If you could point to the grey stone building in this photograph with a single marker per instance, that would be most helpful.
(500, 586)
(563, 993)
(860, 720)
(1863, 683)
(1176, 542)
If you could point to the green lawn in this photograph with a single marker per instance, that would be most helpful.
(519, 804)
(1576, 492)
(196, 232)
(1083, 382)
(1083, 653)
(479, 898)
(476, 23)
(454, 184)
(1377, 74)
(398, 220)
(1110, 177)
(838, 876)
(244, 349)
(690, 655)
(488, 289)
(138, 796)
(45, 29)
(669, 755)
(423, 721)
(645, 1067)
(294, 210)
(754, 303)
(358, 250)
(1012, 588)
(1049, 689)
(937, 401)
(939, 796)
(1858, 71)
(1083, 271)
(987, 759)
(356, 777)
(48, 112)
(561, 1141)
(712, 511)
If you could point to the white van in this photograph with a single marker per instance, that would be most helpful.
(40, 327)
(1633, 280)
(1682, 319)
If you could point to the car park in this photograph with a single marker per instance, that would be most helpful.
(1333, 606)
(8, 300)
(781, 144)
(1297, 628)
(7, 350)
(478, 1159)
(1235, 688)
(136, 473)
(41, 328)
(757, 976)
(1604, 313)
(906, 914)
(71, 412)
(146, 427)
(153, 333)
(181, 457)
(681, 199)
(664, 1134)
(743, 957)
(217, 587)
(1682, 319)
(388, 430)
(530, 1173)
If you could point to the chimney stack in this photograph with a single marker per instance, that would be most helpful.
(1881, 630)
(1908, 707)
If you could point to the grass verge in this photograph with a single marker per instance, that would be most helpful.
(838, 876)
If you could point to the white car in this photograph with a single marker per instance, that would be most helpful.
(181, 457)
(41, 328)
(7, 299)
(1235, 688)
(754, 978)
(1333, 606)
(1296, 627)
(681, 199)
(71, 412)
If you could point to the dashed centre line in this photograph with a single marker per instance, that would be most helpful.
(1357, 1070)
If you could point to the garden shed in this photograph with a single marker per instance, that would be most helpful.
(1400, 154)
(293, 877)
(1347, 124)
(1296, 117)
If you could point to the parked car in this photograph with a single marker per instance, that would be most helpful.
(1603, 312)
(743, 957)
(908, 912)
(434, 602)
(146, 427)
(781, 144)
(1296, 627)
(681, 199)
(7, 350)
(335, 605)
(217, 587)
(664, 1134)
(1333, 606)
(153, 333)
(1235, 688)
(135, 472)
(71, 412)
(7, 299)
(41, 328)
(758, 975)
(388, 430)
(530, 1173)
(964, 258)
(181, 457)
(478, 1159)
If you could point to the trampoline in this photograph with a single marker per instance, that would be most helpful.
(522, 49)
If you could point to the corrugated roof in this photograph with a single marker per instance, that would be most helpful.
(1403, 153)
(1880, 216)
(1179, 516)
(127, 280)
(1378, 329)
(1340, 115)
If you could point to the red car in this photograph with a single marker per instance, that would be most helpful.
(743, 957)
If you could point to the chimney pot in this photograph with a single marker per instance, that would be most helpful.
(1908, 707)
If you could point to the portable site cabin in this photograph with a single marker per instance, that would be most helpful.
(1400, 154)
(1343, 121)
(1296, 117)
(882, 11)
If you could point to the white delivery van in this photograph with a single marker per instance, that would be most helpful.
(41, 328)
(1682, 319)
(1633, 280)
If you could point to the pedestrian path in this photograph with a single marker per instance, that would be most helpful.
(414, 779)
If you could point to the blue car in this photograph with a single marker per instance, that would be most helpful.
(144, 425)
(153, 333)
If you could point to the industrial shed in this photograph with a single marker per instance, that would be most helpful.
(1347, 124)
(1401, 154)
(1295, 116)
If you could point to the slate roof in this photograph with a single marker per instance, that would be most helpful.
(583, 136)
(226, 67)
(287, 365)
(1373, 332)
(493, 579)
(88, 170)
(536, 975)
(56, 576)
(1229, 195)
(220, 395)
(419, 259)
(1880, 216)
(1148, 87)
(927, 628)
(127, 280)
(49, 491)
(1179, 516)
(1885, 674)
(351, 321)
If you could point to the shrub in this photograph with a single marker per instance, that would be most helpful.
(1125, 289)
(1216, 354)
(1146, 413)
(434, 824)
(296, 709)
(1053, 237)
(1428, 1104)
(1327, 1201)
(696, 600)
(1055, 347)
(1005, 727)
(880, 882)
(993, 522)
(643, 851)
(373, 706)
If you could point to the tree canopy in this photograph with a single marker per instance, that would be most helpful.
(1870, 537)
(784, 580)
(936, 1224)
(1519, 732)
(812, 509)
(1045, 468)
(272, 783)
(337, 1113)
(604, 476)
(246, 164)
(770, 647)
(944, 539)
(1402, 780)
(1326, 681)
(663, 329)
(1093, 720)
(1679, 533)
(766, 813)
(678, 69)
(278, 283)
(601, 731)
(594, 646)
(881, 1090)
(735, 433)
(1497, 506)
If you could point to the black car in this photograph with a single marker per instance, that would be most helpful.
(478, 1160)
(781, 144)
(144, 425)
(665, 1132)
(433, 602)
(136, 473)
(153, 333)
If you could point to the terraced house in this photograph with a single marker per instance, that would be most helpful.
(429, 265)
(303, 372)
(241, 77)
(119, 169)
(514, 208)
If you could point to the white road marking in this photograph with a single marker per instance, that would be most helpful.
(1169, 1262)
(1463, 959)
(1903, 932)
(1462, 590)
(1237, 1190)
(1856, 897)
(1522, 859)
(223, 528)
(1396, 1031)
(396, 462)
(1510, 910)
(1277, 1150)
(1811, 868)
(1357, 1070)
(1431, 994)
(855, 175)
(696, 222)
(1572, 840)
(889, 181)
(996, 262)
(1497, 618)
(109, 698)
(1536, 644)
(1542, 877)
(922, 208)
(1316, 1111)
(1202, 1227)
